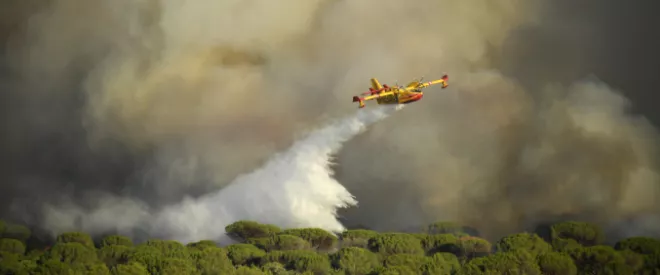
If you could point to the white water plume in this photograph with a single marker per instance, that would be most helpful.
(295, 188)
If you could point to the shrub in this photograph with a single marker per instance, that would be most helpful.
(299, 261)
(280, 242)
(512, 262)
(12, 246)
(114, 254)
(413, 261)
(395, 243)
(243, 230)
(556, 263)
(357, 238)
(212, 260)
(133, 268)
(169, 249)
(244, 254)
(318, 238)
(355, 260)
(586, 234)
(15, 231)
(529, 242)
(116, 240)
(440, 243)
(471, 247)
(599, 260)
(76, 237)
(440, 264)
(641, 245)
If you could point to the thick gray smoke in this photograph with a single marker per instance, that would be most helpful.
(119, 108)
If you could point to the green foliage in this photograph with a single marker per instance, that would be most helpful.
(95, 268)
(413, 261)
(149, 257)
(396, 243)
(319, 238)
(280, 242)
(506, 263)
(114, 254)
(116, 240)
(556, 263)
(633, 259)
(440, 243)
(641, 245)
(395, 270)
(76, 237)
(471, 247)
(599, 260)
(299, 261)
(583, 233)
(15, 231)
(10, 263)
(177, 266)
(355, 260)
(54, 267)
(72, 253)
(444, 249)
(651, 264)
(248, 229)
(34, 255)
(526, 241)
(169, 249)
(133, 268)
(244, 254)
(201, 245)
(357, 238)
(565, 244)
(12, 246)
(274, 268)
(245, 270)
(440, 264)
(212, 260)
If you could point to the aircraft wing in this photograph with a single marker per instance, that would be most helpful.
(413, 84)
(377, 95)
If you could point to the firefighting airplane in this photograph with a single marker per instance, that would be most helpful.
(399, 94)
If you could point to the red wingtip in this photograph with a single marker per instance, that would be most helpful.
(445, 77)
(356, 99)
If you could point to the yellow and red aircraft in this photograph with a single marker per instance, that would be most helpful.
(398, 95)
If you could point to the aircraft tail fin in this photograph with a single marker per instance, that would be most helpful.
(375, 84)
(360, 100)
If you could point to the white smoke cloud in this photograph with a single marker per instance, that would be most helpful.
(295, 188)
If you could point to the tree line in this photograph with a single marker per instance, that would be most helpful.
(565, 248)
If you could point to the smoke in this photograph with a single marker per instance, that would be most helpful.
(137, 106)
(293, 189)
(534, 141)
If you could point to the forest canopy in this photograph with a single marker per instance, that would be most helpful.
(564, 248)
